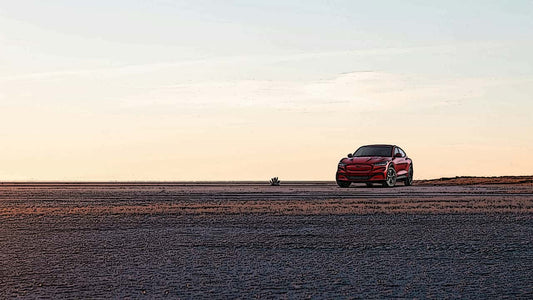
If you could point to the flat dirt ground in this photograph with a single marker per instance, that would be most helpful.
(449, 238)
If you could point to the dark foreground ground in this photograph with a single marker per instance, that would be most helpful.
(255, 241)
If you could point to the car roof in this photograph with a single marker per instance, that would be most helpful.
(379, 145)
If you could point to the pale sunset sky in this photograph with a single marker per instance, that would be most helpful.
(247, 90)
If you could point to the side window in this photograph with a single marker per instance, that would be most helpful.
(396, 150)
(401, 151)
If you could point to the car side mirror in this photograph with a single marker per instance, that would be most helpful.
(398, 155)
(350, 155)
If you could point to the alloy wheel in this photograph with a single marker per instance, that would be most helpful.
(391, 177)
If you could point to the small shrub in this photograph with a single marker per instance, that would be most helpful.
(274, 181)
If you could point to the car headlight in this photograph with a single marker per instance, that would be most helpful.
(341, 165)
(381, 163)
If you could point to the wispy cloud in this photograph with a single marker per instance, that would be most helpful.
(209, 62)
(355, 91)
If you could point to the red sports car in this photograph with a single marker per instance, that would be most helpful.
(384, 164)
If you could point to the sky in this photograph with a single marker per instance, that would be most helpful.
(247, 90)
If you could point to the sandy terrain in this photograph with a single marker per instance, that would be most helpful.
(468, 180)
(445, 238)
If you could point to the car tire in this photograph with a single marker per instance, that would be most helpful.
(369, 185)
(409, 180)
(390, 181)
(343, 184)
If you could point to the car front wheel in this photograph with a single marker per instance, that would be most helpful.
(343, 184)
(391, 177)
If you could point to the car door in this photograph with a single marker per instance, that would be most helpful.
(400, 161)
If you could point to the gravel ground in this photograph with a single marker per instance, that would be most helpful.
(252, 241)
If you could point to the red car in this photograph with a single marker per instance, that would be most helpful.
(384, 164)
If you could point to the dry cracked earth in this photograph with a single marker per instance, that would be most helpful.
(436, 239)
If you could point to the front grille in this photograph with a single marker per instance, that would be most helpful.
(358, 167)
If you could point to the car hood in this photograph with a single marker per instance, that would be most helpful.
(364, 160)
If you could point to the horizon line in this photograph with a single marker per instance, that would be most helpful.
(16, 182)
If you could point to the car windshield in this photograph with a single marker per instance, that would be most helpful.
(385, 151)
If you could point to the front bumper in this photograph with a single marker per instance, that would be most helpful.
(377, 174)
